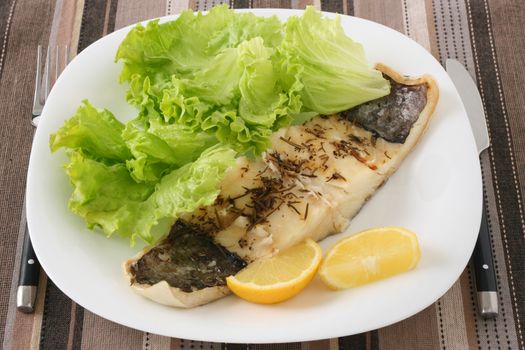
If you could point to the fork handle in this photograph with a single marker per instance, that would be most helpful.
(35, 119)
(28, 278)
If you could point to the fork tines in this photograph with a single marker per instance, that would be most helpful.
(45, 80)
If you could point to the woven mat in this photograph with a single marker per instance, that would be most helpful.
(485, 35)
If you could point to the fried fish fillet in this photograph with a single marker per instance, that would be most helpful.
(310, 184)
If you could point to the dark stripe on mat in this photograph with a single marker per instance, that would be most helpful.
(374, 340)
(235, 347)
(507, 196)
(92, 25)
(282, 346)
(340, 6)
(56, 319)
(240, 4)
(357, 341)
(350, 7)
(332, 6)
(112, 15)
(77, 327)
(284, 4)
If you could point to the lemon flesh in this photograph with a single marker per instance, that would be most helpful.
(280, 277)
(369, 256)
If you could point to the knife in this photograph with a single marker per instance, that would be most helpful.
(486, 285)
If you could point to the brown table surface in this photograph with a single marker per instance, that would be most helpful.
(487, 36)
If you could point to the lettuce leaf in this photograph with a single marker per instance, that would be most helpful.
(162, 148)
(97, 132)
(152, 156)
(193, 185)
(108, 197)
(211, 73)
(331, 66)
(186, 45)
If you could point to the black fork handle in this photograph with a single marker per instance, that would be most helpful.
(29, 267)
(28, 277)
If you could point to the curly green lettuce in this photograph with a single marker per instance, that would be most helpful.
(107, 196)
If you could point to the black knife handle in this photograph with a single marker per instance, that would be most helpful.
(483, 262)
(29, 265)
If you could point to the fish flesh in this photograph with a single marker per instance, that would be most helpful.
(312, 181)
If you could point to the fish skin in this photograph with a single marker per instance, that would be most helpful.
(187, 259)
(391, 117)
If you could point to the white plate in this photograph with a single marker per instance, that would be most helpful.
(436, 193)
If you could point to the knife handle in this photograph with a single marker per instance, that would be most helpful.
(484, 270)
(28, 278)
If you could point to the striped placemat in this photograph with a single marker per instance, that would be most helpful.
(485, 35)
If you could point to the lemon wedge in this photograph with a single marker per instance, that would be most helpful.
(369, 256)
(280, 277)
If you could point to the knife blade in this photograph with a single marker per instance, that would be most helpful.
(486, 284)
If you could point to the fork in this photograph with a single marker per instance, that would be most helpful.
(41, 94)
(29, 265)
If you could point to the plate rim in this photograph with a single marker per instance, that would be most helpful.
(152, 328)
